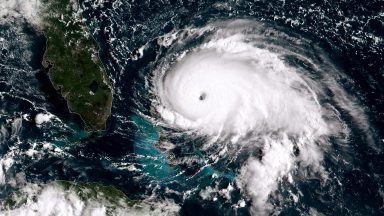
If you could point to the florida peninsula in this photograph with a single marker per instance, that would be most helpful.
(75, 69)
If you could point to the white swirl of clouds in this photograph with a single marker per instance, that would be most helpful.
(228, 86)
(238, 88)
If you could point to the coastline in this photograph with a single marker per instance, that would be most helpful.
(95, 107)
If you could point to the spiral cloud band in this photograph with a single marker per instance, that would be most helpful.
(230, 86)
(253, 89)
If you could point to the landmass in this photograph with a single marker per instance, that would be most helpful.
(111, 197)
(88, 192)
(73, 63)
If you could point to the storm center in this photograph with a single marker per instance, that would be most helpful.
(202, 96)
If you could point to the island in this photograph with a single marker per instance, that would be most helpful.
(91, 194)
(74, 67)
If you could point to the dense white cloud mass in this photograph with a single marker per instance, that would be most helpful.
(229, 86)
(20, 9)
(53, 200)
(244, 95)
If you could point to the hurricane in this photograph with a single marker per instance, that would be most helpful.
(265, 101)
(229, 85)
(192, 108)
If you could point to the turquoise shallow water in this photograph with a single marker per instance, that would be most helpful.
(154, 162)
(126, 156)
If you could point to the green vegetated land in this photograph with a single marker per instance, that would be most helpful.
(76, 71)
(88, 192)
(111, 197)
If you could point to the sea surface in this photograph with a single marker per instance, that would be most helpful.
(41, 141)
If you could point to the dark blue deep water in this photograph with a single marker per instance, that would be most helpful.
(350, 32)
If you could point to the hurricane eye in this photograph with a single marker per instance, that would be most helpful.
(202, 96)
(273, 113)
